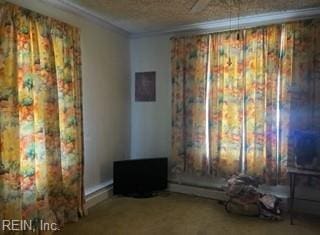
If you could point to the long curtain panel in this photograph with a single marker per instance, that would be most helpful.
(261, 66)
(189, 83)
(40, 119)
(225, 103)
(243, 105)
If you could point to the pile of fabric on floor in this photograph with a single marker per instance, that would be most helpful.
(244, 198)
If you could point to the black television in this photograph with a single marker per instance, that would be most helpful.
(307, 150)
(140, 177)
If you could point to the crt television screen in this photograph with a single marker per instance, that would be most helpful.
(140, 176)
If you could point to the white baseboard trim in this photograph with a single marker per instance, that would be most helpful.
(307, 207)
(99, 195)
(98, 187)
(197, 191)
(105, 191)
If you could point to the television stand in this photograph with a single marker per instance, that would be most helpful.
(293, 172)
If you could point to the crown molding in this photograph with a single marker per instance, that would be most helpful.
(197, 28)
(90, 15)
(244, 22)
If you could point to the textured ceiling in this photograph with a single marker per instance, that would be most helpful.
(138, 16)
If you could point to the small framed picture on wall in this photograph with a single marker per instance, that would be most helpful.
(145, 86)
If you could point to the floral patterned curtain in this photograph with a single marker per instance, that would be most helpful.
(189, 83)
(262, 50)
(243, 101)
(40, 120)
(225, 103)
(262, 85)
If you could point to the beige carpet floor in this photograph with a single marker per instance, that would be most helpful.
(171, 213)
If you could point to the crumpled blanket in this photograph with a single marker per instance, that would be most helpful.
(243, 190)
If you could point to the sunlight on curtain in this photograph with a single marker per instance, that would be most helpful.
(300, 85)
(225, 103)
(41, 119)
(255, 103)
(189, 80)
(262, 49)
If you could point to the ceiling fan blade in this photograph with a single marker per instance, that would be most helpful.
(200, 5)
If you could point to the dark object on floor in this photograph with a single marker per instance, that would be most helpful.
(246, 200)
(141, 177)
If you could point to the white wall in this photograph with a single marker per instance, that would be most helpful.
(151, 121)
(106, 93)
